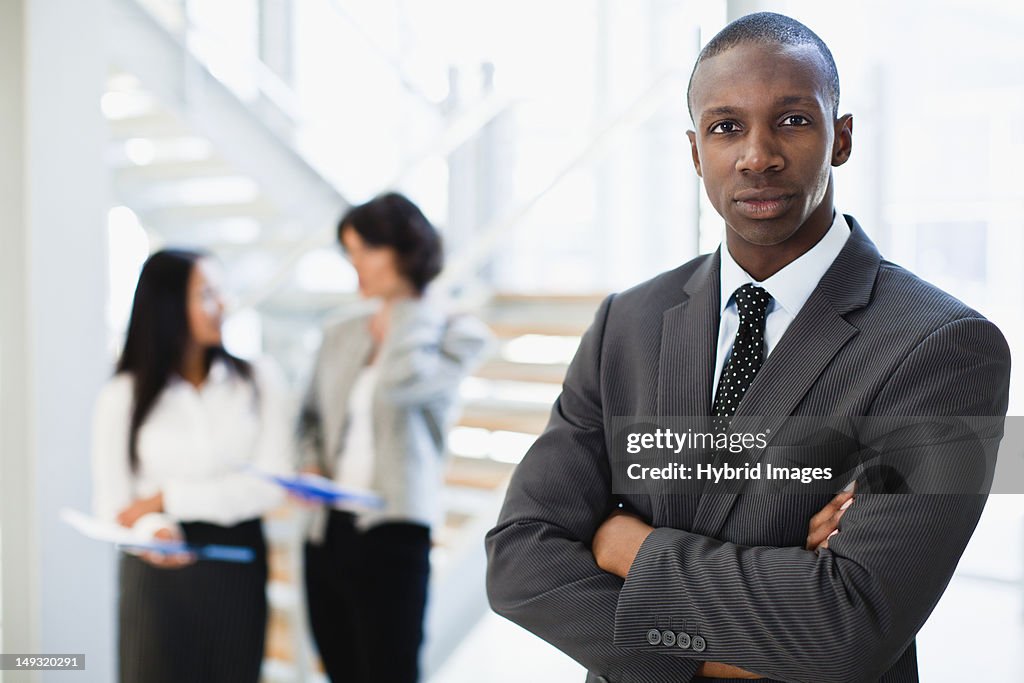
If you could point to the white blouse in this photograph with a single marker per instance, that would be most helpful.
(192, 446)
(355, 462)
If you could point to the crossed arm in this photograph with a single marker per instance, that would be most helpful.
(619, 538)
(845, 613)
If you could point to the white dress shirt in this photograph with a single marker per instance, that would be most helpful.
(191, 447)
(355, 462)
(790, 288)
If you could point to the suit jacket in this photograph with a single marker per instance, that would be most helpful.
(422, 361)
(872, 340)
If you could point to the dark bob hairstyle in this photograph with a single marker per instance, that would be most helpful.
(392, 220)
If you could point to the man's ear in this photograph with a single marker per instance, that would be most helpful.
(693, 151)
(842, 146)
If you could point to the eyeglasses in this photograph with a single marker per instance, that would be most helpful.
(351, 255)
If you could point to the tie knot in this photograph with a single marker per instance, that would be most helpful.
(751, 303)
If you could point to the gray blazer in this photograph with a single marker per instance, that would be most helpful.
(422, 361)
(872, 339)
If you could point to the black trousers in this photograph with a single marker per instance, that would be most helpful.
(202, 623)
(367, 593)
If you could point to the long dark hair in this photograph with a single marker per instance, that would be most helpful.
(158, 333)
(392, 220)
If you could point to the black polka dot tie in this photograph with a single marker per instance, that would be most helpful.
(747, 353)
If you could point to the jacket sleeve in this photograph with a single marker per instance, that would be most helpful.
(309, 428)
(848, 612)
(541, 572)
(426, 355)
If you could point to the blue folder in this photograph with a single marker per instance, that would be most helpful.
(220, 553)
(319, 488)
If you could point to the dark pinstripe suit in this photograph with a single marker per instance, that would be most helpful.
(871, 340)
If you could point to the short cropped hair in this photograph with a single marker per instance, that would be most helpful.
(769, 28)
(392, 220)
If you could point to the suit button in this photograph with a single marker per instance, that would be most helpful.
(668, 639)
(602, 679)
(698, 644)
(654, 636)
(683, 640)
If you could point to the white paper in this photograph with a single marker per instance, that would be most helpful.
(110, 532)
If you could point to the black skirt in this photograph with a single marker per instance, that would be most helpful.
(203, 622)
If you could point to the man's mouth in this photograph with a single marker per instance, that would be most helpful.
(762, 204)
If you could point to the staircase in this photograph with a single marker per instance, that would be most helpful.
(197, 162)
(505, 406)
(194, 164)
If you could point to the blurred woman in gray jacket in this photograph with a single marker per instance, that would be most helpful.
(376, 416)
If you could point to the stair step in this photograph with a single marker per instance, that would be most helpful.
(496, 415)
(167, 219)
(156, 124)
(500, 369)
(162, 171)
(222, 190)
(466, 501)
(510, 328)
(478, 473)
(147, 152)
(593, 299)
(481, 419)
(565, 314)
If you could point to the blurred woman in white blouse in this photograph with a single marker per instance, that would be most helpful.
(173, 431)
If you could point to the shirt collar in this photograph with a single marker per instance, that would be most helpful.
(219, 374)
(792, 286)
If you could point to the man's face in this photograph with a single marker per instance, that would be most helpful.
(766, 139)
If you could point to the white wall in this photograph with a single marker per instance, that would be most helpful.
(57, 588)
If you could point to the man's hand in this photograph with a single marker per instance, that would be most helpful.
(618, 540)
(719, 670)
(825, 524)
(615, 546)
(140, 507)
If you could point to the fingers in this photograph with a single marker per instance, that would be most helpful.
(825, 523)
(832, 507)
(128, 516)
(168, 560)
(824, 544)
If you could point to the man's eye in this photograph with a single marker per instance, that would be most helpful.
(795, 120)
(724, 127)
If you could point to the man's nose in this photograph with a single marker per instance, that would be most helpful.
(760, 153)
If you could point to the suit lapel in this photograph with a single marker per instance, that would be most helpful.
(689, 343)
(810, 343)
(351, 356)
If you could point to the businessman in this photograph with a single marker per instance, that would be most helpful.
(796, 314)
